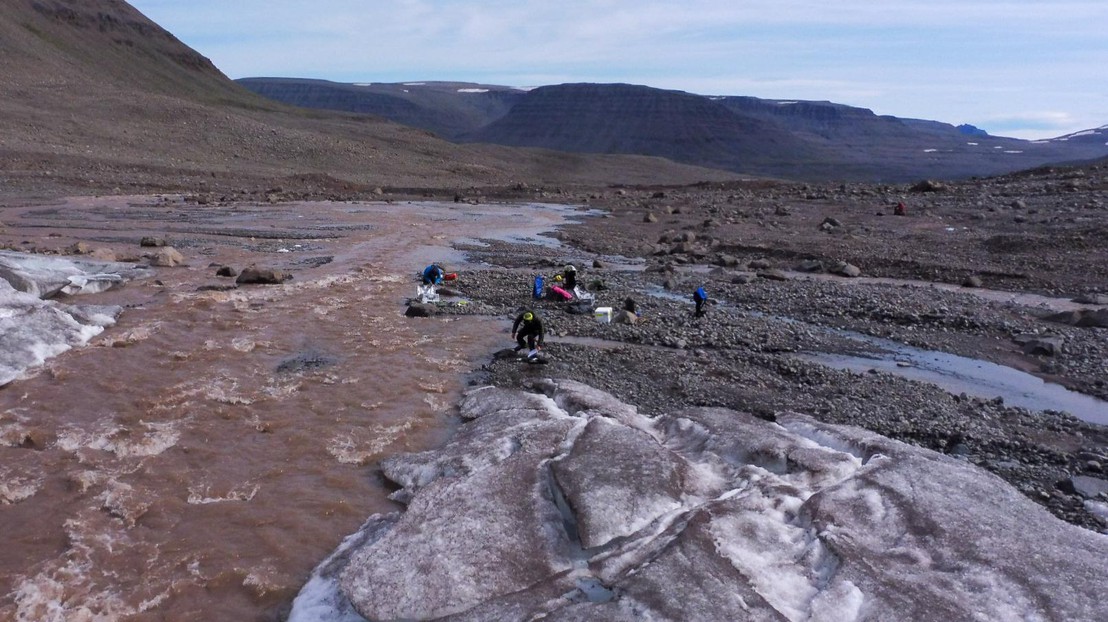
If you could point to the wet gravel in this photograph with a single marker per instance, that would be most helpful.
(741, 355)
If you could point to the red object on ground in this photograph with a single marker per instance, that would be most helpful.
(561, 292)
(450, 276)
(900, 210)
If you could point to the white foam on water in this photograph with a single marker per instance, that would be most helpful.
(222, 390)
(123, 502)
(132, 336)
(281, 388)
(362, 445)
(65, 589)
(16, 487)
(243, 344)
(14, 428)
(202, 494)
(151, 439)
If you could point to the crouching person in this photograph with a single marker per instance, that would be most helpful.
(528, 332)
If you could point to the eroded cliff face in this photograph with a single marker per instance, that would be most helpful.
(567, 504)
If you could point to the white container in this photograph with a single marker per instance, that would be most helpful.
(603, 314)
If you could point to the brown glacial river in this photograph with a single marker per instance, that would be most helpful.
(198, 459)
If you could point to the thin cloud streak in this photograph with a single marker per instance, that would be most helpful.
(947, 60)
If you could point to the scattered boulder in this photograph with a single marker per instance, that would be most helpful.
(103, 254)
(848, 270)
(151, 242)
(79, 248)
(650, 217)
(928, 185)
(625, 317)
(1083, 318)
(262, 276)
(972, 281)
(1040, 345)
(811, 265)
(744, 278)
(421, 309)
(165, 257)
(728, 261)
(773, 275)
(305, 361)
(1092, 299)
(1084, 485)
(227, 271)
(759, 264)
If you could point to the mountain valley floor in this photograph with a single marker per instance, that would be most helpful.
(971, 268)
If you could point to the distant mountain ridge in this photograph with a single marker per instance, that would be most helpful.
(806, 140)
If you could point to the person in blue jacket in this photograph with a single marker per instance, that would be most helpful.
(699, 297)
(433, 274)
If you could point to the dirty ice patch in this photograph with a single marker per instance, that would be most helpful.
(45, 276)
(565, 505)
(33, 330)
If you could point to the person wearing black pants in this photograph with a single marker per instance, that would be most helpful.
(528, 332)
(699, 297)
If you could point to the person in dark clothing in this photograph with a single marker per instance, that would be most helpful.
(528, 332)
(433, 274)
(570, 276)
(629, 305)
(699, 297)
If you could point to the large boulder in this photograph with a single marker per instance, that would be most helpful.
(165, 257)
(262, 276)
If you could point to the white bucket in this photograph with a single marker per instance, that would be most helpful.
(603, 314)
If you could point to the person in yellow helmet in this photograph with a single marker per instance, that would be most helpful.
(528, 332)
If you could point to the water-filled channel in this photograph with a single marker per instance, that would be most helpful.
(196, 460)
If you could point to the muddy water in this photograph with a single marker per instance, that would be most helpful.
(199, 458)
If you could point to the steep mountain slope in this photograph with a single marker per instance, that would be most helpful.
(97, 96)
(448, 109)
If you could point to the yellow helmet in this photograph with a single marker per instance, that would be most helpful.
(528, 316)
(557, 277)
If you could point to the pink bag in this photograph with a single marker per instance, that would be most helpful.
(561, 292)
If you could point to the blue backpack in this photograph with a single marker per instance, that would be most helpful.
(700, 294)
(537, 292)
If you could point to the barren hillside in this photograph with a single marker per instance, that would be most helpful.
(96, 97)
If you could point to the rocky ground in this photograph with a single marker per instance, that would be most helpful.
(765, 251)
(749, 245)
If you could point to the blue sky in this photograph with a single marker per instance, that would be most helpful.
(1021, 68)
